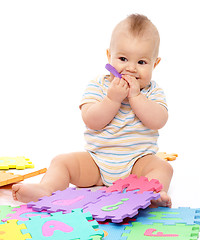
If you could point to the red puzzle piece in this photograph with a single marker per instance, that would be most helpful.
(132, 182)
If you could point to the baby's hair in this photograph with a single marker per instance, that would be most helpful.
(139, 26)
(140, 23)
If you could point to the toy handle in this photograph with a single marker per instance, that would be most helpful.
(111, 69)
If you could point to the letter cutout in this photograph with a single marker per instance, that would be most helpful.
(67, 202)
(149, 232)
(32, 214)
(114, 206)
(49, 227)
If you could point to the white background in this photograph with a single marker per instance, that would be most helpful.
(49, 50)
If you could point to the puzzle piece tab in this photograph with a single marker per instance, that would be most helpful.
(169, 216)
(60, 226)
(132, 182)
(67, 200)
(140, 231)
(118, 206)
(15, 162)
(12, 231)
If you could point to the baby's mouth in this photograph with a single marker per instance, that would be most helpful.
(131, 75)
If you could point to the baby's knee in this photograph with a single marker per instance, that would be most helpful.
(167, 167)
(61, 159)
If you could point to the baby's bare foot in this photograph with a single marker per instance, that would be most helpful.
(163, 201)
(29, 192)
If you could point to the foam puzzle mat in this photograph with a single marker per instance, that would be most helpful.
(73, 214)
(15, 162)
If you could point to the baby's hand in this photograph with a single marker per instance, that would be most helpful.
(134, 85)
(118, 90)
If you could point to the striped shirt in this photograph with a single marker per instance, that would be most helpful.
(118, 145)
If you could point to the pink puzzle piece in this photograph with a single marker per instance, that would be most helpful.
(132, 182)
(23, 213)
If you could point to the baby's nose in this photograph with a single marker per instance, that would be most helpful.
(131, 68)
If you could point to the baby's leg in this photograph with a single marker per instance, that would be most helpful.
(76, 168)
(153, 167)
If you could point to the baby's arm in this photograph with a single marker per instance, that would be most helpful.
(152, 114)
(97, 115)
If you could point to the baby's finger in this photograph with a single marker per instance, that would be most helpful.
(116, 81)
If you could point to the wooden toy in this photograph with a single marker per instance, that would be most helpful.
(166, 156)
(15, 162)
(9, 178)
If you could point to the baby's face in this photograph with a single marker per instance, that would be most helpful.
(134, 56)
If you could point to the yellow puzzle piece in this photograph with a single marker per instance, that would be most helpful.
(166, 156)
(15, 162)
(12, 231)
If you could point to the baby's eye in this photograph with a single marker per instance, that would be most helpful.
(123, 59)
(141, 62)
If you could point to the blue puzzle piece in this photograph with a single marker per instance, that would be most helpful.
(169, 216)
(60, 226)
(114, 230)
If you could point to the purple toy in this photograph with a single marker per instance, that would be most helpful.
(67, 200)
(118, 206)
(111, 69)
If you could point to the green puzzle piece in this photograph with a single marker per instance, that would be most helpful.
(4, 210)
(139, 231)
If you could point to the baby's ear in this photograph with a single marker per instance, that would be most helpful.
(157, 61)
(108, 54)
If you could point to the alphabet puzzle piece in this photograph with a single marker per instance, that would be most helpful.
(12, 231)
(15, 162)
(118, 206)
(60, 226)
(9, 178)
(169, 215)
(167, 157)
(114, 230)
(4, 210)
(132, 182)
(23, 213)
(67, 200)
(139, 231)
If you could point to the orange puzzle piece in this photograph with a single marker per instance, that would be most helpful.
(166, 156)
(8, 178)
